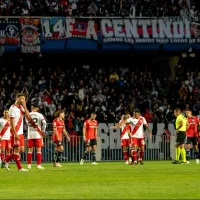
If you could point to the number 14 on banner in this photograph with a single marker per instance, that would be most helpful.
(53, 28)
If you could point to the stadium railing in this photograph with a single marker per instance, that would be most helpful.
(157, 147)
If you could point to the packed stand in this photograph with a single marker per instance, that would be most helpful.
(110, 92)
(79, 8)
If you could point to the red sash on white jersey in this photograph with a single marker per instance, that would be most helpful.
(19, 123)
(35, 126)
(124, 130)
(137, 126)
(5, 128)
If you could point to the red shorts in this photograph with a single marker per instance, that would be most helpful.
(139, 142)
(125, 142)
(19, 142)
(35, 143)
(5, 144)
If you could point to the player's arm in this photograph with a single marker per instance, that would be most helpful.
(12, 126)
(129, 132)
(198, 127)
(1, 131)
(43, 126)
(12, 114)
(84, 131)
(187, 125)
(148, 129)
(180, 124)
(119, 124)
(66, 134)
(56, 132)
(147, 126)
(96, 131)
(26, 112)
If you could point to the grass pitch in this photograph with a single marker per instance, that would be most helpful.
(113, 180)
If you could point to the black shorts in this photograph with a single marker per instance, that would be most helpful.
(91, 142)
(193, 140)
(181, 135)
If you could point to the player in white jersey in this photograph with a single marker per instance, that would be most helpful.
(137, 135)
(16, 114)
(125, 138)
(5, 136)
(36, 132)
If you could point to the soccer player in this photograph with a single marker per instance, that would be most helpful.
(58, 131)
(181, 125)
(90, 129)
(16, 113)
(137, 135)
(36, 132)
(125, 140)
(192, 136)
(5, 136)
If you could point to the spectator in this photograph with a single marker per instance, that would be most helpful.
(78, 8)
(114, 76)
(142, 89)
(148, 116)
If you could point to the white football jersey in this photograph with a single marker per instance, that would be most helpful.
(40, 121)
(17, 114)
(140, 130)
(125, 136)
(6, 135)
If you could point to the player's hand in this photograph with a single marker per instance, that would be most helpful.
(84, 138)
(113, 127)
(176, 131)
(23, 103)
(68, 138)
(59, 140)
(43, 134)
(16, 137)
(150, 134)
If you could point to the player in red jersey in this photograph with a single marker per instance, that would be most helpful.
(192, 135)
(58, 131)
(125, 138)
(198, 133)
(90, 129)
(16, 113)
(5, 136)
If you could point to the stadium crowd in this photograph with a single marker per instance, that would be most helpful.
(80, 8)
(108, 91)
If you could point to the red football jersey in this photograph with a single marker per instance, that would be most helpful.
(91, 126)
(192, 129)
(59, 125)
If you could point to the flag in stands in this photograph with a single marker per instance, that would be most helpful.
(9, 32)
(30, 35)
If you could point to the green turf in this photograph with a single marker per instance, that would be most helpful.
(113, 180)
